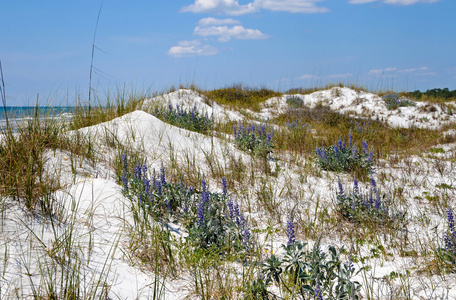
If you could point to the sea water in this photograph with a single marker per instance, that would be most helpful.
(18, 114)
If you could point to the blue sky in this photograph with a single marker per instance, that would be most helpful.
(45, 46)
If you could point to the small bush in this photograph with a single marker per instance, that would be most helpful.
(254, 139)
(294, 101)
(340, 158)
(190, 120)
(370, 206)
(394, 101)
(211, 219)
(310, 274)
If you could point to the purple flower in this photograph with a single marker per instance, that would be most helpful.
(234, 131)
(200, 214)
(365, 147)
(125, 182)
(371, 156)
(336, 151)
(340, 144)
(319, 152)
(224, 190)
(231, 209)
(162, 176)
(377, 202)
(450, 218)
(355, 187)
(350, 140)
(246, 237)
(341, 189)
(204, 194)
(374, 185)
(318, 293)
(291, 233)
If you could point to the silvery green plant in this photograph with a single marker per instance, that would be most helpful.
(294, 101)
(254, 139)
(312, 274)
(212, 219)
(344, 158)
(371, 205)
(394, 101)
(191, 120)
(448, 254)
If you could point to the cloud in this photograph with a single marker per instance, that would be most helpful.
(225, 33)
(413, 70)
(192, 48)
(292, 6)
(394, 2)
(308, 76)
(212, 21)
(232, 7)
(381, 71)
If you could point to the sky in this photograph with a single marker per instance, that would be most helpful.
(154, 45)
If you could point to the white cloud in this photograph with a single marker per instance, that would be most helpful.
(413, 70)
(192, 48)
(394, 2)
(381, 71)
(225, 33)
(308, 76)
(232, 7)
(212, 21)
(293, 6)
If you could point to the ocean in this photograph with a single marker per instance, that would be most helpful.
(18, 114)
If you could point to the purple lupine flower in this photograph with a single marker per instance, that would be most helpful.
(371, 156)
(147, 186)
(377, 202)
(234, 131)
(125, 182)
(246, 237)
(158, 186)
(137, 172)
(349, 263)
(236, 214)
(204, 194)
(450, 218)
(340, 144)
(341, 189)
(350, 140)
(318, 293)
(200, 214)
(365, 147)
(231, 209)
(448, 243)
(355, 187)
(319, 152)
(374, 185)
(291, 233)
(263, 129)
(162, 176)
(323, 153)
(144, 172)
(336, 151)
(224, 190)
(170, 108)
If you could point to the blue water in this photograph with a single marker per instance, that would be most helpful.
(16, 114)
